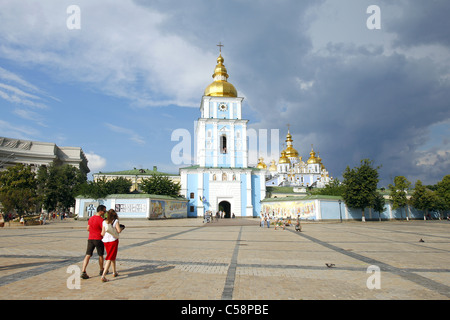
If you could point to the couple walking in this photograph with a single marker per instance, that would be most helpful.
(103, 234)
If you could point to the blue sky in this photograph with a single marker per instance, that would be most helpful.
(135, 71)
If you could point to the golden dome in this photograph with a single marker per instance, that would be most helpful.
(283, 158)
(273, 166)
(312, 158)
(261, 164)
(290, 151)
(220, 87)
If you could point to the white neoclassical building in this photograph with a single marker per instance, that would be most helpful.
(36, 154)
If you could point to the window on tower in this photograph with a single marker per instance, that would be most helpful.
(223, 144)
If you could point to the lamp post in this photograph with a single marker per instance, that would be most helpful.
(340, 213)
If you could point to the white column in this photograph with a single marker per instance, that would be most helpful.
(201, 143)
(239, 110)
(200, 207)
(231, 146)
(216, 145)
(244, 146)
(249, 208)
(262, 179)
(206, 108)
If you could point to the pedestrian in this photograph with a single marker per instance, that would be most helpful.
(95, 240)
(298, 226)
(268, 221)
(110, 232)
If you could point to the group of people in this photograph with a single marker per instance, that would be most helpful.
(103, 234)
(208, 216)
(265, 219)
(279, 222)
(54, 215)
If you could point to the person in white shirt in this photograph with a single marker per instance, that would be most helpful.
(111, 242)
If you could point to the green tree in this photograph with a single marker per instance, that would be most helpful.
(101, 188)
(443, 193)
(424, 199)
(119, 185)
(162, 185)
(398, 194)
(379, 204)
(18, 189)
(59, 185)
(335, 188)
(360, 186)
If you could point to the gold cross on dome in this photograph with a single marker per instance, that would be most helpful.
(220, 45)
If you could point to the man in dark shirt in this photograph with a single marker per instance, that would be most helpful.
(94, 240)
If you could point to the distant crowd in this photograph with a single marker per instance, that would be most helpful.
(43, 217)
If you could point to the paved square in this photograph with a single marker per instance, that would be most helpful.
(232, 259)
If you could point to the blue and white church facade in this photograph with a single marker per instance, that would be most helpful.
(221, 179)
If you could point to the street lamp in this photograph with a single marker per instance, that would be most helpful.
(340, 212)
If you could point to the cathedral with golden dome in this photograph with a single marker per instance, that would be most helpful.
(292, 171)
(221, 178)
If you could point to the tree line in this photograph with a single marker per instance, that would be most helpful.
(359, 190)
(55, 187)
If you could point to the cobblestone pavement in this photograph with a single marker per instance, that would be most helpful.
(232, 259)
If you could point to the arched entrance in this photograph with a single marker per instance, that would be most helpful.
(225, 206)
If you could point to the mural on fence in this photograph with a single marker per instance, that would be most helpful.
(131, 208)
(168, 209)
(292, 209)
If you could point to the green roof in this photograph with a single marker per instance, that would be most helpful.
(134, 172)
(238, 168)
(296, 198)
(280, 189)
(144, 196)
(139, 196)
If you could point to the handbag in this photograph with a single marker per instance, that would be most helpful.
(111, 230)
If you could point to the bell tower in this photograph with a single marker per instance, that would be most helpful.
(221, 180)
(221, 132)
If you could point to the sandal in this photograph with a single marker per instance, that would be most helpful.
(115, 274)
(104, 279)
(84, 276)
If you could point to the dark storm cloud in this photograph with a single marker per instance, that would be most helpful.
(365, 102)
(373, 106)
(421, 22)
(351, 99)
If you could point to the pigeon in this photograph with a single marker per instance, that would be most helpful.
(329, 265)
(421, 240)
